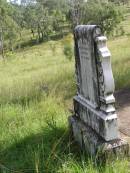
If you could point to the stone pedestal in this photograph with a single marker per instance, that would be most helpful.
(95, 145)
(104, 124)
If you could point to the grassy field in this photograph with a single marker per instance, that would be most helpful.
(36, 90)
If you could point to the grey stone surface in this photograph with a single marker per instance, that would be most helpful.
(89, 140)
(86, 63)
(105, 125)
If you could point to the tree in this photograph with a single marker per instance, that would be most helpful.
(8, 26)
(38, 19)
(99, 12)
(45, 18)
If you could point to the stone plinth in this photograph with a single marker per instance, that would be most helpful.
(105, 125)
(95, 145)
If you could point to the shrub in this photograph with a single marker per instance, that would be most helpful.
(68, 51)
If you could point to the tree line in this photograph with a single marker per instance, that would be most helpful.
(46, 19)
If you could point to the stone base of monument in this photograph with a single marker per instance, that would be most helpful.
(105, 124)
(95, 145)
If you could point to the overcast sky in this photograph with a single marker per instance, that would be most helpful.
(18, 1)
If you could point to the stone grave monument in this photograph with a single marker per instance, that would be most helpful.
(94, 123)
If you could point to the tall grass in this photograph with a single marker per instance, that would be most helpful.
(121, 61)
(36, 90)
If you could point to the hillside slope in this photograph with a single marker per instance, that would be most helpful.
(36, 90)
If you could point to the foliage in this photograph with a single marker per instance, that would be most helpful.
(46, 18)
(8, 26)
(68, 51)
(106, 15)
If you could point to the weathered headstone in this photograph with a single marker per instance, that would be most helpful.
(94, 124)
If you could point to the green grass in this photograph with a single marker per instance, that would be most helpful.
(36, 90)
(121, 61)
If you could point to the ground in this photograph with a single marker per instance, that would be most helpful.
(123, 110)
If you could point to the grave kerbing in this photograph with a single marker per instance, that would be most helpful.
(94, 123)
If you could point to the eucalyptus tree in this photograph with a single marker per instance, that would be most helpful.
(38, 20)
(2, 16)
(8, 27)
(100, 12)
(57, 11)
